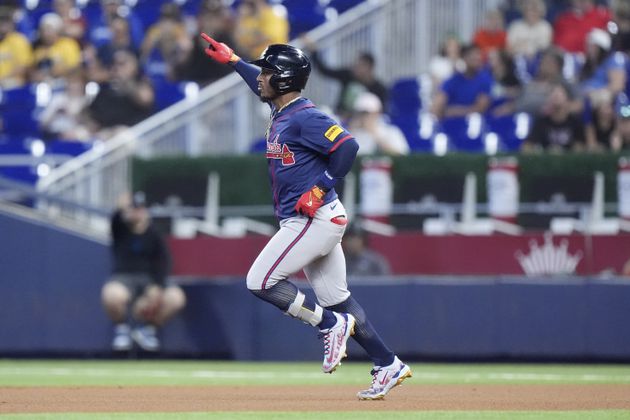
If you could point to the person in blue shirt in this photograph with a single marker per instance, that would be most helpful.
(467, 91)
(307, 154)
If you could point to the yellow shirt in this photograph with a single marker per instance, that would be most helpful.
(65, 55)
(15, 54)
(255, 33)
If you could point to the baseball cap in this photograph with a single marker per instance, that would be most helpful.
(599, 37)
(367, 102)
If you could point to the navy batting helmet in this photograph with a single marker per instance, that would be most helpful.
(290, 66)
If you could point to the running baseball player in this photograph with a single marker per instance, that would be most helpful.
(308, 152)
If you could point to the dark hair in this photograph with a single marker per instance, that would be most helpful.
(367, 57)
(467, 48)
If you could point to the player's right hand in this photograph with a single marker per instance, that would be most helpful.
(219, 52)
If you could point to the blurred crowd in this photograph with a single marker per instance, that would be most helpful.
(111, 63)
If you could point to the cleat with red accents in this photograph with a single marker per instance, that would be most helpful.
(335, 341)
(384, 379)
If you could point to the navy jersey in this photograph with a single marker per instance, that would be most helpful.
(299, 140)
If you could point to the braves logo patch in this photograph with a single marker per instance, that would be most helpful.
(333, 132)
(275, 150)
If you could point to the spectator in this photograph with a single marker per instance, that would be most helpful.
(604, 69)
(491, 36)
(360, 259)
(139, 278)
(620, 139)
(600, 128)
(531, 34)
(126, 99)
(64, 117)
(55, 55)
(536, 93)
(571, 27)
(506, 87)
(465, 92)
(98, 61)
(374, 134)
(448, 60)
(74, 25)
(16, 55)
(214, 19)
(166, 43)
(258, 25)
(358, 78)
(621, 18)
(557, 129)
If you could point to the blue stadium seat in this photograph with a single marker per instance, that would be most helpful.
(511, 130)
(465, 134)
(404, 109)
(343, 5)
(167, 93)
(303, 15)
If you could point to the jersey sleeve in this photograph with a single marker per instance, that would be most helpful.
(323, 134)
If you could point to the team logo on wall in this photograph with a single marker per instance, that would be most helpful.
(275, 150)
(548, 258)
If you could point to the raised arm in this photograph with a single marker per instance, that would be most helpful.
(223, 54)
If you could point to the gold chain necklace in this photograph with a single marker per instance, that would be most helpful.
(268, 130)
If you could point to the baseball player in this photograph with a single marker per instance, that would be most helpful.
(308, 153)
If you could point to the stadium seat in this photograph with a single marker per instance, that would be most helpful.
(303, 15)
(511, 130)
(404, 108)
(343, 5)
(167, 93)
(464, 134)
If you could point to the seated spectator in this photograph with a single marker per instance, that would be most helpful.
(139, 278)
(55, 55)
(358, 78)
(557, 129)
(74, 24)
(571, 27)
(491, 36)
(64, 117)
(620, 139)
(506, 87)
(465, 92)
(603, 69)
(536, 92)
(602, 122)
(531, 34)
(124, 100)
(166, 43)
(214, 19)
(360, 260)
(16, 55)
(448, 60)
(621, 18)
(98, 61)
(374, 134)
(259, 25)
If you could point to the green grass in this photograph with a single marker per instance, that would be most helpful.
(155, 372)
(20, 373)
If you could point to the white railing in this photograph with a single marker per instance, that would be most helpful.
(225, 117)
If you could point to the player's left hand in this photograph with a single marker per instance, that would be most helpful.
(310, 201)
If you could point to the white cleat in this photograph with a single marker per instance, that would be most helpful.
(335, 340)
(384, 379)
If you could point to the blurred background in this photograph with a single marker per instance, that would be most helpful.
(494, 134)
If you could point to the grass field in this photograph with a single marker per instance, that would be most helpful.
(75, 376)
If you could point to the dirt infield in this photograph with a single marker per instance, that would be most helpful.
(311, 398)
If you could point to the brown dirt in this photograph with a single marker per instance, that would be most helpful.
(311, 398)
